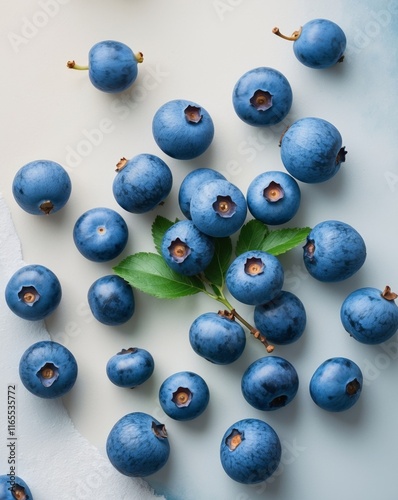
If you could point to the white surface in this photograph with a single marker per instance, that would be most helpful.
(197, 50)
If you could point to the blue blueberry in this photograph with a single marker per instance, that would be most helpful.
(14, 488)
(100, 234)
(250, 451)
(185, 249)
(112, 66)
(255, 277)
(142, 183)
(41, 187)
(130, 367)
(217, 338)
(311, 150)
(370, 315)
(48, 369)
(334, 251)
(33, 292)
(262, 97)
(218, 208)
(191, 183)
(269, 383)
(273, 197)
(282, 320)
(111, 300)
(184, 395)
(137, 445)
(336, 384)
(182, 129)
(318, 44)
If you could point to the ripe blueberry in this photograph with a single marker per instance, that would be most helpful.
(130, 367)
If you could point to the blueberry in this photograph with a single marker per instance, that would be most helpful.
(142, 183)
(334, 251)
(184, 395)
(255, 277)
(282, 320)
(14, 488)
(48, 369)
(137, 445)
(273, 197)
(100, 234)
(262, 97)
(111, 300)
(311, 150)
(217, 338)
(370, 315)
(33, 292)
(191, 183)
(185, 249)
(130, 367)
(269, 383)
(336, 384)
(250, 451)
(112, 66)
(318, 44)
(182, 129)
(218, 208)
(41, 187)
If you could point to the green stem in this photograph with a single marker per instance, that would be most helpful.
(73, 65)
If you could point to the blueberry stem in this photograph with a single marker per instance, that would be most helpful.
(73, 65)
(295, 35)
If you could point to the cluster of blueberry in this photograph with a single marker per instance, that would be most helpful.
(214, 209)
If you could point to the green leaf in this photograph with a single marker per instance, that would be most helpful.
(282, 240)
(159, 226)
(251, 236)
(149, 273)
(215, 271)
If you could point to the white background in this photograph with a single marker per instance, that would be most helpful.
(197, 51)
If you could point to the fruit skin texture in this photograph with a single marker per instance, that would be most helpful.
(369, 317)
(263, 285)
(178, 136)
(270, 383)
(33, 292)
(214, 217)
(111, 300)
(321, 44)
(258, 454)
(282, 320)
(57, 358)
(191, 183)
(41, 187)
(336, 384)
(217, 338)
(137, 445)
(197, 248)
(130, 367)
(311, 150)
(270, 83)
(112, 66)
(334, 251)
(142, 183)
(184, 395)
(273, 197)
(9, 490)
(100, 234)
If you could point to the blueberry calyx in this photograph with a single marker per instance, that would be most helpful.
(193, 114)
(273, 192)
(121, 164)
(19, 492)
(309, 249)
(46, 207)
(182, 397)
(254, 266)
(279, 401)
(340, 158)
(234, 439)
(388, 294)
(48, 374)
(130, 350)
(294, 36)
(353, 387)
(179, 250)
(261, 100)
(224, 206)
(159, 430)
(29, 295)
